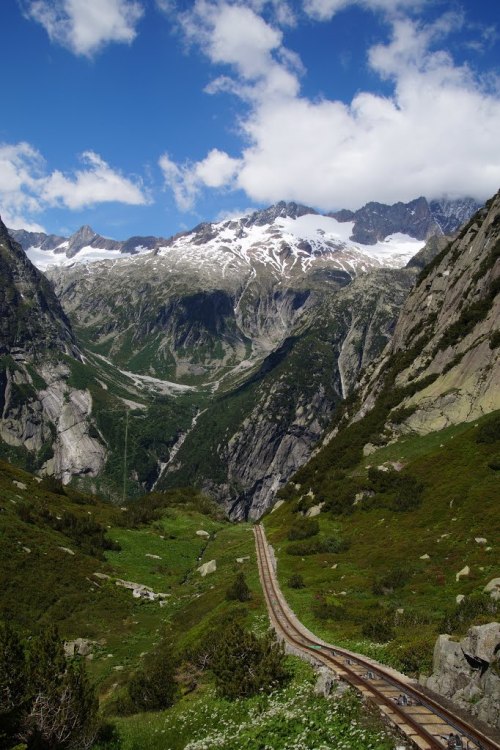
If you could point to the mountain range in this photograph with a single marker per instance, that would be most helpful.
(219, 357)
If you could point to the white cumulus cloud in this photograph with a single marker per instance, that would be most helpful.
(217, 170)
(433, 134)
(324, 10)
(85, 26)
(27, 188)
(99, 183)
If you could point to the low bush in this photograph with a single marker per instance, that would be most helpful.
(470, 610)
(379, 630)
(296, 582)
(489, 432)
(390, 581)
(245, 665)
(303, 528)
(239, 591)
(325, 545)
(153, 687)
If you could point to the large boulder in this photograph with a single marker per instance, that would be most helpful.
(468, 671)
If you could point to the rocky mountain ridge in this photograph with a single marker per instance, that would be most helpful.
(41, 414)
(447, 335)
(226, 316)
(419, 218)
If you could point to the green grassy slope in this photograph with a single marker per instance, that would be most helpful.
(399, 571)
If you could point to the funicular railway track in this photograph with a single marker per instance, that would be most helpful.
(424, 721)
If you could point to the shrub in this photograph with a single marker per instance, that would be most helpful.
(326, 545)
(388, 582)
(324, 610)
(489, 432)
(296, 582)
(469, 611)
(245, 665)
(56, 707)
(380, 631)
(239, 591)
(153, 687)
(413, 658)
(495, 340)
(303, 528)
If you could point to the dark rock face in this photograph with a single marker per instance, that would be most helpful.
(281, 209)
(419, 218)
(31, 317)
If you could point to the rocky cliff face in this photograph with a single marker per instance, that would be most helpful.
(249, 442)
(449, 325)
(420, 219)
(41, 414)
(468, 671)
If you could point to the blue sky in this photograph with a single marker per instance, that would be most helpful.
(148, 116)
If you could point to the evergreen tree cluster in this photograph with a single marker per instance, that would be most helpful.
(46, 700)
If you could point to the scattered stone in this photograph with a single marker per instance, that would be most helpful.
(425, 557)
(68, 550)
(27, 549)
(208, 567)
(315, 510)
(153, 557)
(278, 504)
(102, 576)
(242, 559)
(139, 590)
(462, 573)
(203, 534)
(368, 449)
(20, 485)
(78, 647)
(493, 588)
(118, 668)
(480, 540)
(459, 598)
(334, 566)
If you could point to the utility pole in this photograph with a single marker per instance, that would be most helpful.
(125, 457)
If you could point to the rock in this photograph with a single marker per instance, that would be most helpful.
(203, 534)
(20, 485)
(153, 557)
(102, 576)
(459, 598)
(242, 559)
(455, 678)
(314, 510)
(368, 449)
(27, 549)
(480, 540)
(425, 557)
(139, 590)
(208, 567)
(78, 647)
(68, 550)
(493, 588)
(461, 573)
(324, 682)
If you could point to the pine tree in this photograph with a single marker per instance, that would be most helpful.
(239, 590)
(12, 683)
(154, 687)
(245, 665)
(62, 710)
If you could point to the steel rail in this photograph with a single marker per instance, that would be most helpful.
(305, 642)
